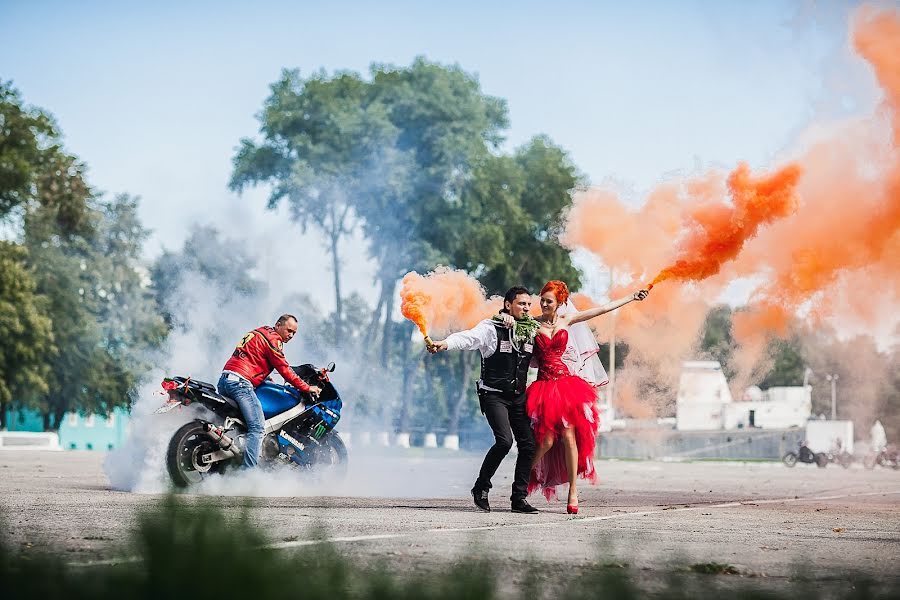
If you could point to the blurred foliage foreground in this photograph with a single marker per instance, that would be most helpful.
(196, 551)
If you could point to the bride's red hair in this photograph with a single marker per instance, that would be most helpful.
(559, 289)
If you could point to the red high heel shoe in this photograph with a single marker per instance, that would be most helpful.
(572, 509)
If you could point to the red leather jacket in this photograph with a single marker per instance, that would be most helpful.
(258, 353)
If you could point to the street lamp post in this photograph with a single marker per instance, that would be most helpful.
(833, 377)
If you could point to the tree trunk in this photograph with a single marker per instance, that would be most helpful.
(2, 416)
(338, 303)
(409, 370)
(58, 415)
(46, 417)
(465, 360)
(429, 387)
(371, 333)
(386, 340)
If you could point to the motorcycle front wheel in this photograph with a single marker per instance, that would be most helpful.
(789, 459)
(331, 458)
(821, 460)
(846, 459)
(184, 459)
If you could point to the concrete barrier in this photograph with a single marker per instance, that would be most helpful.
(430, 440)
(29, 440)
(667, 443)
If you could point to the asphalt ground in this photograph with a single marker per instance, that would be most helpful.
(412, 508)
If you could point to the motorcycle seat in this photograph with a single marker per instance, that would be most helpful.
(207, 389)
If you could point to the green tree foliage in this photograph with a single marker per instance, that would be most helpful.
(412, 156)
(25, 329)
(105, 320)
(788, 363)
(505, 227)
(447, 126)
(324, 141)
(34, 169)
(717, 342)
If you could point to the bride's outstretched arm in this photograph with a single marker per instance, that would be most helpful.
(590, 313)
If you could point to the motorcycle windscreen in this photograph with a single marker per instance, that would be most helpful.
(275, 399)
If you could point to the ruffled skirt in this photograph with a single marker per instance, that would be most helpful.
(554, 405)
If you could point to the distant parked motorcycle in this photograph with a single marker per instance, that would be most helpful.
(805, 455)
(888, 458)
(842, 457)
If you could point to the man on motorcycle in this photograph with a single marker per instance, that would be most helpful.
(254, 358)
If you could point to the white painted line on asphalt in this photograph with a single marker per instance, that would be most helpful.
(574, 520)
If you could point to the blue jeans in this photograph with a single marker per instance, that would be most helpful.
(241, 391)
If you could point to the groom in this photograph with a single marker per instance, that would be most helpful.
(505, 356)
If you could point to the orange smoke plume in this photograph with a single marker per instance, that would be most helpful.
(717, 231)
(824, 247)
(444, 299)
(839, 255)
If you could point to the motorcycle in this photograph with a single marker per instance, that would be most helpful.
(299, 428)
(841, 457)
(805, 455)
(889, 458)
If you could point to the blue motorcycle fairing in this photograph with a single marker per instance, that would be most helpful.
(276, 399)
(310, 426)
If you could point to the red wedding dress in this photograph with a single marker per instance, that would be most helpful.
(557, 400)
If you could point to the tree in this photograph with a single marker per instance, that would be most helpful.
(505, 227)
(25, 329)
(324, 139)
(446, 125)
(105, 321)
(34, 170)
(717, 341)
(788, 364)
(504, 230)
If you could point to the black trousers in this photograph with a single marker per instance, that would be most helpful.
(508, 420)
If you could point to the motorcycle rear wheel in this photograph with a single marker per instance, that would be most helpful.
(789, 459)
(184, 458)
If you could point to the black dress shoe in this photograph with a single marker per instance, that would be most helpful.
(481, 499)
(522, 506)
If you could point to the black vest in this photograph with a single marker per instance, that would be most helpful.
(507, 368)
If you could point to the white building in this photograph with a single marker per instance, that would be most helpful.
(702, 394)
(705, 404)
(774, 408)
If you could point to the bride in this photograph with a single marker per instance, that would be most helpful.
(562, 405)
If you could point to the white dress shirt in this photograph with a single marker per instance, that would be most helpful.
(482, 337)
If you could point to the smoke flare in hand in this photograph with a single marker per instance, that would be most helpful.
(717, 232)
(444, 299)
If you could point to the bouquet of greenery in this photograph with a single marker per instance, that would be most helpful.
(524, 330)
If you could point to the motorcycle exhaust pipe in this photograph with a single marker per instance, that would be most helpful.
(220, 437)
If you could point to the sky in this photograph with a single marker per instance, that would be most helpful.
(155, 97)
